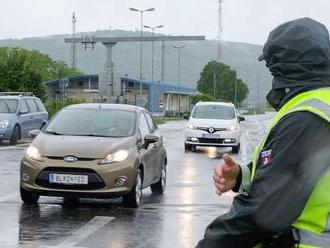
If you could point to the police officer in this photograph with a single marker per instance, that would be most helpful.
(285, 191)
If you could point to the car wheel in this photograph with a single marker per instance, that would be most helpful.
(235, 149)
(187, 147)
(70, 201)
(193, 148)
(133, 198)
(15, 136)
(29, 197)
(159, 187)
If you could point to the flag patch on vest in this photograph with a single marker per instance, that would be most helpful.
(266, 158)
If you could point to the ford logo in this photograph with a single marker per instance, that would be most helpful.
(211, 130)
(70, 159)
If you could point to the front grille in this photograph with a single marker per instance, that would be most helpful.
(94, 180)
(211, 141)
(206, 129)
(62, 158)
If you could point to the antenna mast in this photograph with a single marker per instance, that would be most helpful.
(73, 56)
(219, 53)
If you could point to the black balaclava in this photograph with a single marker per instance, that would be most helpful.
(297, 54)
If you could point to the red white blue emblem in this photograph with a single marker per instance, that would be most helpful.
(266, 158)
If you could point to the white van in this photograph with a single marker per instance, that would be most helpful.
(213, 124)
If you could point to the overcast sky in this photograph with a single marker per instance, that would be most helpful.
(243, 20)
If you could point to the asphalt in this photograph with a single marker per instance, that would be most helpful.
(176, 219)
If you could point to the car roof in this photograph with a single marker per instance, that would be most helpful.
(126, 107)
(216, 103)
(18, 97)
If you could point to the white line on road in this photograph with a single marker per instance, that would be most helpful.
(83, 232)
(8, 197)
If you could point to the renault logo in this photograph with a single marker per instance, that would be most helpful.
(211, 130)
(70, 159)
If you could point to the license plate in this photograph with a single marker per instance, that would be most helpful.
(68, 179)
(211, 136)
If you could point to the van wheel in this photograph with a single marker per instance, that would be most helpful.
(159, 187)
(28, 197)
(193, 148)
(187, 147)
(15, 136)
(133, 198)
(235, 149)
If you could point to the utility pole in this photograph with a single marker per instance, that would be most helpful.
(179, 62)
(163, 62)
(73, 45)
(219, 52)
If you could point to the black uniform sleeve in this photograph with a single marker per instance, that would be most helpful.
(298, 149)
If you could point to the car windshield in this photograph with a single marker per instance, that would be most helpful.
(93, 122)
(214, 112)
(8, 106)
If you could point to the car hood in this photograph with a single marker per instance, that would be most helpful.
(80, 146)
(212, 123)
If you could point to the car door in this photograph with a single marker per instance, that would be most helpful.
(147, 153)
(42, 113)
(157, 147)
(25, 118)
(35, 117)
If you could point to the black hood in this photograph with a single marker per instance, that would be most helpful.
(297, 54)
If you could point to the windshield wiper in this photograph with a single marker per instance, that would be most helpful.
(94, 135)
(53, 132)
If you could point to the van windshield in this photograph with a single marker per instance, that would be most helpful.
(214, 112)
(8, 106)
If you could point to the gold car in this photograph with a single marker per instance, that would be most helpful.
(95, 150)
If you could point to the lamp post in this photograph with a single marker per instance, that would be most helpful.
(153, 48)
(141, 59)
(179, 62)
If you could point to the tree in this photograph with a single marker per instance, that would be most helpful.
(24, 70)
(201, 97)
(220, 80)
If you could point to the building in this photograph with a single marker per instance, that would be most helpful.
(159, 98)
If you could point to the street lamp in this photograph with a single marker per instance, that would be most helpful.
(141, 60)
(179, 63)
(153, 48)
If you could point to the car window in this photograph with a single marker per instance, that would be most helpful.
(8, 106)
(93, 122)
(214, 112)
(144, 128)
(150, 121)
(23, 108)
(32, 106)
(40, 106)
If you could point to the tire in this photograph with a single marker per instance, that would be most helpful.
(187, 147)
(133, 198)
(235, 149)
(160, 186)
(29, 197)
(193, 148)
(15, 135)
(70, 201)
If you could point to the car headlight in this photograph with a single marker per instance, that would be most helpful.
(191, 126)
(4, 124)
(33, 153)
(119, 156)
(232, 128)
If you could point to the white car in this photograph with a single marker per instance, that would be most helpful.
(213, 124)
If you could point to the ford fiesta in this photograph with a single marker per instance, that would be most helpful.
(95, 150)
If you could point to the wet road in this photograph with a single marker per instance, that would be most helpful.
(176, 219)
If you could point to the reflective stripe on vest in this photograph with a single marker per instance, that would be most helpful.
(314, 222)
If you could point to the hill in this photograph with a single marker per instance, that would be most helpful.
(241, 56)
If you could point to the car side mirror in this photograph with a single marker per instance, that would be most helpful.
(24, 111)
(186, 116)
(34, 133)
(241, 118)
(149, 139)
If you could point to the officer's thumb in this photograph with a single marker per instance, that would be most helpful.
(229, 162)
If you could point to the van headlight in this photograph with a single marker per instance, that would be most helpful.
(232, 128)
(4, 124)
(190, 126)
(118, 156)
(33, 153)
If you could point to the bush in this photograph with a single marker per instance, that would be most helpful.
(54, 106)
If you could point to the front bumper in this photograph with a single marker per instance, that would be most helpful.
(227, 138)
(5, 133)
(101, 184)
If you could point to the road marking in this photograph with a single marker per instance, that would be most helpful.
(8, 197)
(83, 232)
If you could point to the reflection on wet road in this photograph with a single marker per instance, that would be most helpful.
(176, 219)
